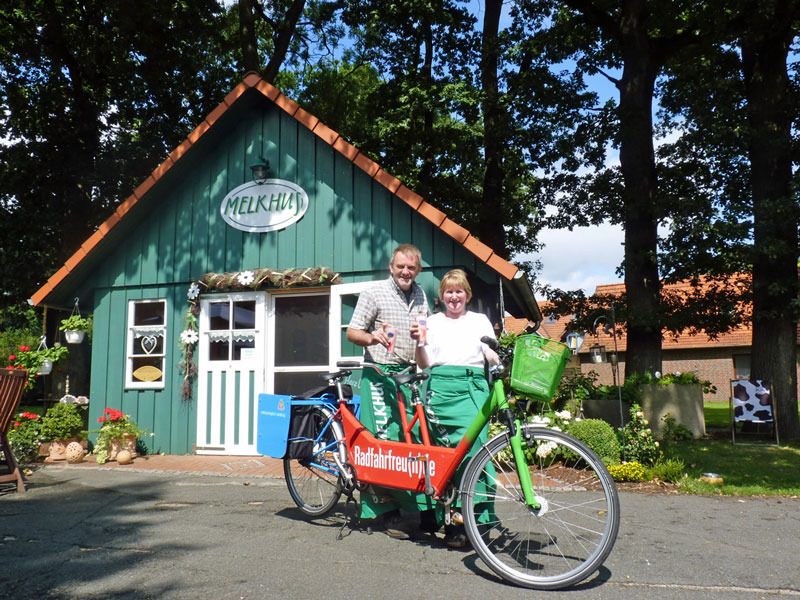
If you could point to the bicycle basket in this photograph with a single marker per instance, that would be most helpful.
(537, 367)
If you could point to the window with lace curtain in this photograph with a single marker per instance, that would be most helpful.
(146, 344)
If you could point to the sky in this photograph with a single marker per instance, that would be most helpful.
(579, 259)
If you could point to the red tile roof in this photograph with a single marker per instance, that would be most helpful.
(739, 336)
(325, 133)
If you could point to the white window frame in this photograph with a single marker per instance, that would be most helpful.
(335, 321)
(132, 332)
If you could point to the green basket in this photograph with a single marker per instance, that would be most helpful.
(538, 365)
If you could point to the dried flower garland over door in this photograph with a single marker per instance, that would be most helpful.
(251, 280)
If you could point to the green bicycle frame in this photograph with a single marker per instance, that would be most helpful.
(497, 401)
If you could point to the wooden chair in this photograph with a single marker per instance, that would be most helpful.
(12, 384)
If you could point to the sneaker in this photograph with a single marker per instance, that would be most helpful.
(455, 537)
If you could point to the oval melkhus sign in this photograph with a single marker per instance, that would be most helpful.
(270, 206)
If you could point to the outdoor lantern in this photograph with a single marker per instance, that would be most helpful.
(598, 353)
(260, 170)
(572, 342)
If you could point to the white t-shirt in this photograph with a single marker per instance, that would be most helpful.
(457, 341)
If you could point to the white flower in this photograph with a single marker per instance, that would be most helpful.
(194, 291)
(678, 373)
(639, 413)
(546, 420)
(644, 434)
(556, 428)
(658, 374)
(246, 277)
(544, 449)
(536, 419)
(646, 422)
(656, 443)
(189, 336)
(578, 419)
(564, 414)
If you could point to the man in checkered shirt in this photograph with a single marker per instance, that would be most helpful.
(394, 302)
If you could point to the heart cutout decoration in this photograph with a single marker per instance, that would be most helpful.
(149, 343)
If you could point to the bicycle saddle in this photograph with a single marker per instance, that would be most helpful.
(404, 378)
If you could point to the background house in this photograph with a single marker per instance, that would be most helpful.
(717, 360)
(265, 273)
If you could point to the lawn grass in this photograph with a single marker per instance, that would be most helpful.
(751, 469)
(717, 414)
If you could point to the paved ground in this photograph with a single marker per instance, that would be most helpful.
(224, 527)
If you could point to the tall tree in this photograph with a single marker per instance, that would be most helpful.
(771, 108)
(639, 37)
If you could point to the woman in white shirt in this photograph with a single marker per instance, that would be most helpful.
(457, 387)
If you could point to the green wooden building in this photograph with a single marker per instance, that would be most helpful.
(209, 287)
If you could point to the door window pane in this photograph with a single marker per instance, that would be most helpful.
(244, 314)
(218, 350)
(219, 315)
(301, 330)
(296, 383)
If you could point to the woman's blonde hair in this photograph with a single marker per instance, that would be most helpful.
(455, 278)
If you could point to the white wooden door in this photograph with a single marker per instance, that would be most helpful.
(230, 372)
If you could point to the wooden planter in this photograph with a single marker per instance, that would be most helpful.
(683, 402)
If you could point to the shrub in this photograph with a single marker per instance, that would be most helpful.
(61, 422)
(670, 470)
(674, 431)
(639, 444)
(25, 436)
(628, 471)
(599, 436)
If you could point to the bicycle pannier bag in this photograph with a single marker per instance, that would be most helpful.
(538, 365)
(304, 427)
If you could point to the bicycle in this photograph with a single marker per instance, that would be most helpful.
(539, 506)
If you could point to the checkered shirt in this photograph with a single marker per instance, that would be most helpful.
(385, 302)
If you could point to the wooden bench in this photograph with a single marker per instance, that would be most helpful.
(12, 385)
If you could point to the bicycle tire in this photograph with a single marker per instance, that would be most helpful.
(564, 541)
(314, 482)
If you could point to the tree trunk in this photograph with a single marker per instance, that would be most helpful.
(282, 37)
(491, 230)
(775, 214)
(247, 37)
(637, 163)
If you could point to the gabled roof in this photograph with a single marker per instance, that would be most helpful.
(515, 278)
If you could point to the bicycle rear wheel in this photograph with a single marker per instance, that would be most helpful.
(562, 542)
(313, 481)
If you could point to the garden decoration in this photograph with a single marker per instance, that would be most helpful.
(37, 362)
(117, 432)
(75, 326)
(251, 280)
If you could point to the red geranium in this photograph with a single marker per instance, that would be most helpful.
(23, 348)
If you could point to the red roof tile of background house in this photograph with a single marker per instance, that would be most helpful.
(739, 336)
(326, 134)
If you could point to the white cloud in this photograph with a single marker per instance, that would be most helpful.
(580, 259)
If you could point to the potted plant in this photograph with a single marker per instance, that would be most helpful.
(39, 361)
(61, 425)
(117, 432)
(75, 328)
(25, 436)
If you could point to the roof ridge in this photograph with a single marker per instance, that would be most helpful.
(254, 81)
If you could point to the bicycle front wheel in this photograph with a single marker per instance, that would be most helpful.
(558, 544)
(313, 481)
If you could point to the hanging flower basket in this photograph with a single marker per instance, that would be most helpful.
(74, 336)
(45, 368)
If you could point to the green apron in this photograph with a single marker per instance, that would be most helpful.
(455, 396)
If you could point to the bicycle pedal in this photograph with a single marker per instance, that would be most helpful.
(457, 518)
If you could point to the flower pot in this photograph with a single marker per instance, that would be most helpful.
(126, 442)
(74, 336)
(46, 368)
(57, 449)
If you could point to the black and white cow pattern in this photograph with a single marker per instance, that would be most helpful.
(751, 401)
